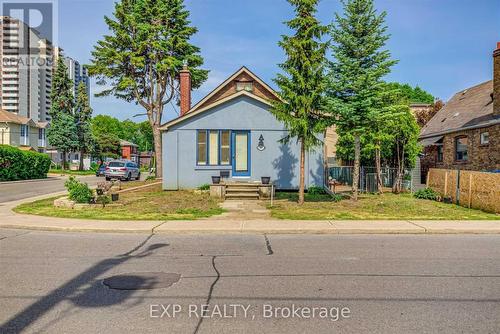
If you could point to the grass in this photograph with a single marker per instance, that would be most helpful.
(146, 204)
(384, 207)
(71, 172)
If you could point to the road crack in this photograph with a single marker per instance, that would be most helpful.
(268, 245)
(210, 292)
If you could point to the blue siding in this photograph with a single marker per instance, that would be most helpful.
(279, 161)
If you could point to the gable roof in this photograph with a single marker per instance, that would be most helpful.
(226, 91)
(468, 109)
(10, 117)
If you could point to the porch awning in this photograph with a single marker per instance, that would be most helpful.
(430, 141)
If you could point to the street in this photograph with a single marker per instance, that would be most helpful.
(12, 191)
(66, 283)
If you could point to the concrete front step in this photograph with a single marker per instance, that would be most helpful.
(239, 189)
(242, 195)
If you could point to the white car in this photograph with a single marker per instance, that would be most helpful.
(122, 170)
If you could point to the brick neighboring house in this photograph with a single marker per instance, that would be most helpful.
(465, 133)
(129, 151)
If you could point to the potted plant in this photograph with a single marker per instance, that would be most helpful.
(215, 179)
(265, 179)
(115, 197)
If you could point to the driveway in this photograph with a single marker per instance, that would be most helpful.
(67, 283)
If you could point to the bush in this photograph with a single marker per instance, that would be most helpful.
(78, 191)
(204, 187)
(151, 178)
(316, 190)
(426, 193)
(22, 165)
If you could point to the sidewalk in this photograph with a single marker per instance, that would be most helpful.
(256, 222)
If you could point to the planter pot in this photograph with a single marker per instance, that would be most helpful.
(447, 200)
(115, 197)
(215, 179)
(265, 179)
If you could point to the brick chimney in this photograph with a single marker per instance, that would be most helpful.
(185, 89)
(496, 80)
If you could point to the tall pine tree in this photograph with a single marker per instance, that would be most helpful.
(62, 132)
(83, 118)
(302, 84)
(355, 80)
(141, 57)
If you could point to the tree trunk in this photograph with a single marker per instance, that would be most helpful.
(378, 169)
(302, 172)
(80, 167)
(355, 172)
(158, 153)
(396, 188)
(63, 164)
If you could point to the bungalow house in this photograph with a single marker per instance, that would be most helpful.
(21, 132)
(232, 131)
(465, 133)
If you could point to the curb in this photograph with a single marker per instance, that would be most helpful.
(48, 178)
(332, 231)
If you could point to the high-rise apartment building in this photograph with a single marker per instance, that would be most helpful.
(26, 71)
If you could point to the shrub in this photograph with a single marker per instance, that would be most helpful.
(151, 178)
(316, 190)
(22, 165)
(426, 193)
(204, 187)
(103, 200)
(78, 191)
(94, 166)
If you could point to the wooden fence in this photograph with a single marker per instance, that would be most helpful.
(471, 189)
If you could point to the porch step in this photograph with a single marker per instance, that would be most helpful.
(241, 190)
(242, 195)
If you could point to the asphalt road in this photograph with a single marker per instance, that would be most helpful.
(53, 283)
(13, 191)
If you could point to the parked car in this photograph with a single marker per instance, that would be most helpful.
(123, 170)
(101, 170)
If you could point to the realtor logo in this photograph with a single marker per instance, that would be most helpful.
(40, 24)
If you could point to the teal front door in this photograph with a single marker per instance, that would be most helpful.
(241, 153)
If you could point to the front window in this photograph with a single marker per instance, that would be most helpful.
(213, 147)
(440, 153)
(485, 138)
(24, 135)
(225, 147)
(202, 148)
(461, 146)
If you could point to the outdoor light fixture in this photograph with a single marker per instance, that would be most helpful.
(261, 146)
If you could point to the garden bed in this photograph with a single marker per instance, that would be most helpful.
(371, 207)
(150, 203)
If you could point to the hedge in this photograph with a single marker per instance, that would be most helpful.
(22, 165)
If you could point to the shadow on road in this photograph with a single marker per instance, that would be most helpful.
(84, 290)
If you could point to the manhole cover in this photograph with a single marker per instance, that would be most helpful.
(141, 281)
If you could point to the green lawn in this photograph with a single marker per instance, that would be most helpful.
(145, 204)
(384, 207)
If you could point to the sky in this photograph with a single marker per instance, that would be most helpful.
(443, 46)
